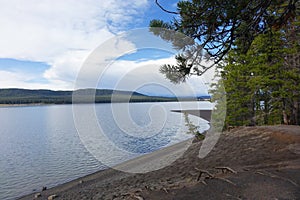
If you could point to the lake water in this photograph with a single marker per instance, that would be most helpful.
(41, 145)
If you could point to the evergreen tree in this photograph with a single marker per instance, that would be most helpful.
(216, 25)
(261, 87)
(257, 45)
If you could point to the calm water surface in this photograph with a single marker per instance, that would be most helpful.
(40, 145)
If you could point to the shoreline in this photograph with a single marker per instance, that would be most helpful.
(155, 160)
(22, 105)
(246, 163)
(248, 153)
(140, 164)
(49, 104)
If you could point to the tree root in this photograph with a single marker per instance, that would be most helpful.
(201, 171)
(166, 191)
(276, 176)
(226, 180)
(228, 169)
(211, 176)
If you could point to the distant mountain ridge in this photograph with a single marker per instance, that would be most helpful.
(43, 96)
(17, 92)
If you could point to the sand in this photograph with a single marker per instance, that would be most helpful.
(246, 163)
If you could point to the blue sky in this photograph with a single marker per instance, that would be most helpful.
(45, 43)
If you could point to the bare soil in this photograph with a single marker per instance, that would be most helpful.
(247, 163)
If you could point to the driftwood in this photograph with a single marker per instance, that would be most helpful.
(204, 183)
(166, 191)
(226, 180)
(229, 195)
(133, 193)
(209, 175)
(201, 171)
(224, 169)
(138, 197)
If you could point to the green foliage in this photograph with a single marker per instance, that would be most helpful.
(255, 44)
(176, 73)
(192, 128)
(262, 88)
(216, 26)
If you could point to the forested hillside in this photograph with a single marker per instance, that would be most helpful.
(24, 96)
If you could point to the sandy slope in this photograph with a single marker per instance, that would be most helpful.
(259, 163)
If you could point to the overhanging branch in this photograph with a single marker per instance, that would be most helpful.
(165, 10)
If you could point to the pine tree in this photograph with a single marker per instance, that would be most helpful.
(261, 87)
(256, 43)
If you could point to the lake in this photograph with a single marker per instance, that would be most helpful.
(46, 145)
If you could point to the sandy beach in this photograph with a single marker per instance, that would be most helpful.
(246, 163)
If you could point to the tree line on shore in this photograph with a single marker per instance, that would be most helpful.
(263, 85)
(255, 48)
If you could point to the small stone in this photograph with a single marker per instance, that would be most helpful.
(37, 195)
(81, 181)
(53, 196)
(44, 188)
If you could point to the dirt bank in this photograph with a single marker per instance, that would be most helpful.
(246, 163)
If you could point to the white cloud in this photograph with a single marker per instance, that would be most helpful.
(64, 33)
(15, 79)
(145, 77)
(61, 33)
(138, 72)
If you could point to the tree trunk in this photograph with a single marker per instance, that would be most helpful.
(296, 112)
(284, 114)
(285, 118)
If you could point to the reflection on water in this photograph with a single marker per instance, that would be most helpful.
(40, 146)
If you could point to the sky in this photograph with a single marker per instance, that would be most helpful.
(70, 44)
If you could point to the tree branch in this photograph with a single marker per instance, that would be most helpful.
(165, 10)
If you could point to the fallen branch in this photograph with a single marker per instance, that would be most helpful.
(138, 197)
(164, 189)
(276, 176)
(259, 172)
(226, 180)
(229, 195)
(224, 169)
(204, 183)
(201, 171)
